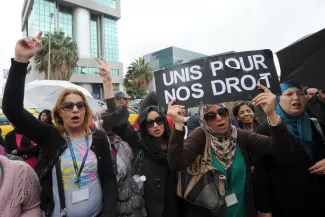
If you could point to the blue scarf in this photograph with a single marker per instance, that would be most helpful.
(298, 126)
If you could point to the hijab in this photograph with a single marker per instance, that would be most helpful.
(299, 126)
(224, 146)
(150, 144)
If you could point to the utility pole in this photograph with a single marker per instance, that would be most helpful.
(49, 62)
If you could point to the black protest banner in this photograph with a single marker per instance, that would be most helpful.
(223, 78)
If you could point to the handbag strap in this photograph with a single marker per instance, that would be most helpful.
(319, 128)
(63, 210)
(207, 150)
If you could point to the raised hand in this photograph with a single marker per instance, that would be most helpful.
(267, 102)
(104, 70)
(26, 48)
(176, 112)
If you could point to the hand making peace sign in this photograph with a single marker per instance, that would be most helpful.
(104, 70)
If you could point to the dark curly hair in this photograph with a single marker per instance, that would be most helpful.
(236, 108)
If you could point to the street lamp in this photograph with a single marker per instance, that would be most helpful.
(49, 64)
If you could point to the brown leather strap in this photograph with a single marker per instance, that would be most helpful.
(191, 184)
(179, 184)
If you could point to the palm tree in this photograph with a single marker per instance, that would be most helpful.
(140, 73)
(64, 56)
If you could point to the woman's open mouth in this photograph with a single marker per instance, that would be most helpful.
(75, 119)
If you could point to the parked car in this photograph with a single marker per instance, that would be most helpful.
(133, 114)
(135, 104)
(100, 102)
(5, 123)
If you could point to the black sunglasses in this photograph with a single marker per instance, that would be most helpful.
(159, 121)
(222, 112)
(68, 106)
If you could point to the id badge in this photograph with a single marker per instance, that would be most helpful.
(80, 195)
(231, 199)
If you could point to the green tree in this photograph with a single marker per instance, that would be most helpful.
(64, 56)
(137, 78)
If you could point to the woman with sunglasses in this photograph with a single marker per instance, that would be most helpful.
(230, 149)
(149, 147)
(76, 171)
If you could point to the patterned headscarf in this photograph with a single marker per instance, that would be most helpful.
(224, 146)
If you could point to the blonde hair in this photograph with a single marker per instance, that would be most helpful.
(57, 108)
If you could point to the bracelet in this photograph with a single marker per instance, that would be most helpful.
(268, 121)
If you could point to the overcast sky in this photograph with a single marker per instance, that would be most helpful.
(205, 26)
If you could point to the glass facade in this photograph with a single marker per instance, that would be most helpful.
(65, 21)
(93, 70)
(93, 36)
(110, 39)
(108, 3)
(42, 10)
(166, 58)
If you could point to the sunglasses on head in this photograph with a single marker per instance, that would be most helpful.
(159, 121)
(68, 106)
(222, 112)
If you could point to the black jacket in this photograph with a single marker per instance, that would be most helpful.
(283, 184)
(53, 144)
(316, 109)
(27, 149)
(160, 202)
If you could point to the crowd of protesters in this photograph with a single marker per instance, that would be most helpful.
(71, 163)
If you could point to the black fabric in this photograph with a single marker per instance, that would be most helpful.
(60, 187)
(316, 108)
(303, 61)
(2, 141)
(53, 144)
(26, 148)
(150, 100)
(160, 185)
(283, 184)
(206, 179)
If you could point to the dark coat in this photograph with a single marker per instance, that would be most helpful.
(181, 154)
(25, 149)
(160, 202)
(283, 184)
(316, 108)
(53, 144)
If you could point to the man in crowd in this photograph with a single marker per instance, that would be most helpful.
(121, 98)
(310, 92)
(315, 107)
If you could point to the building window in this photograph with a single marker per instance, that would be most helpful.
(65, 21)
(115, 72)
(166, 58)
(108, 3)
(92, 70)
(42, 10)
(93, 36)
(110, 39)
